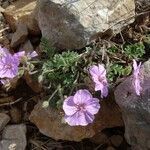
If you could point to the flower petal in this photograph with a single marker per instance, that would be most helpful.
(102, 88)
(136, 77)
(99, 86)
(79, 118)
(104, 91)
(82, 96)
(137, 86)
(18, 55)
(8, 66)
(69, 106)
(94, 70)
(102, 70)
(134, 64)
(32, 54)
(92, 106)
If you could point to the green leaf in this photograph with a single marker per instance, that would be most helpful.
(127, 71)
(134, 51)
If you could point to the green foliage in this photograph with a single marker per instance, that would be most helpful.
(66, 60)
(61, 72)
(118, 70)
(134, 51)
(62, 68)
(113, 49)
(120, 59)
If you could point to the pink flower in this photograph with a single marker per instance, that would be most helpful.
(80, 108)
(19, 55)
(8, 66)
(98, 74)
(22, 54)
(136, 77)
(32, 54)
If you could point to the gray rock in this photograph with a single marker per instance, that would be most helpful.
(20, 35)
(70, 24)
(14, 137)
(4, 119)
(136, 110)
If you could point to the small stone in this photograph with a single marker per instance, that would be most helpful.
(22, 11)
(116, 140)
(19, 36)
(110, 148)
(15, 114)
(14, 136)
(4, 119)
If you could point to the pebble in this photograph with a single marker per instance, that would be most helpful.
(15, 114)
(4, 119)
(14, 137)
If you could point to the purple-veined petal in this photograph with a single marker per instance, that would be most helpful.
(134, 64)
(94, 70)
(80, 108)
(136, 77)
(102, 70)
(92, 106)
(103, 89)
(18, 55)
(137, 86)
(82, 96)
(8, 66)
(99, 86)
(69, 106)
(79, 118)
(98, 74)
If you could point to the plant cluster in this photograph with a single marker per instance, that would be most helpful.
(63, 73)
(120, 64)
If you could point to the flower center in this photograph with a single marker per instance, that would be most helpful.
(8, 66)
(80, 107)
